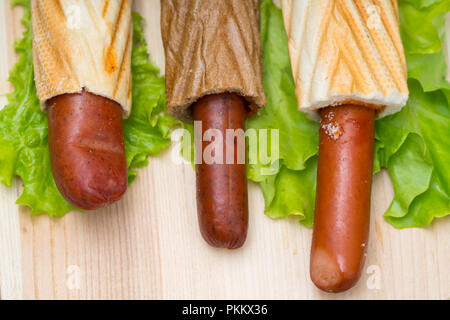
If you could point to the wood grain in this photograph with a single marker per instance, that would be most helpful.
(148, 246)
(10, 245)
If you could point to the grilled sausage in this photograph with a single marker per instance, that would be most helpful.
(87, 150)
(344, 177)
(222, 203)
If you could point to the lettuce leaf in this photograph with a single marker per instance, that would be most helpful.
(290, 190)
(23, 127)
(412, 144)
(147, 130)
(281, 103)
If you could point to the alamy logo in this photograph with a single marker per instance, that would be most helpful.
(374, 279)
(73, 277)
(73, 17)
(214, 147)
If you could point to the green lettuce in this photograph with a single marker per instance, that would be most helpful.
(412, 145)
(290, 190)
(23, 127)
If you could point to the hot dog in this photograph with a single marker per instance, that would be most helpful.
(87, 149)
(349, 68)
(214, 75)
(344, 176)
(82, 73)
(222, 188)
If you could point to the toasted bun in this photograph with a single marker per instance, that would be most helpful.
(211, 47)
(346, 51)
(83, 45)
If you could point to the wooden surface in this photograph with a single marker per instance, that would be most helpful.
(148, 246)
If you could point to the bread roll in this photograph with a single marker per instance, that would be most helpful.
(346, 52)
(83, 44)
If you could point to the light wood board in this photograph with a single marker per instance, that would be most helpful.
(148, 246)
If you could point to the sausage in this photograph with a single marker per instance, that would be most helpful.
(344, 177)
(87, 151)
(222, 203)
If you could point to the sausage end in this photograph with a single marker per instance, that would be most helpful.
(87, 150)
(328, 276)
